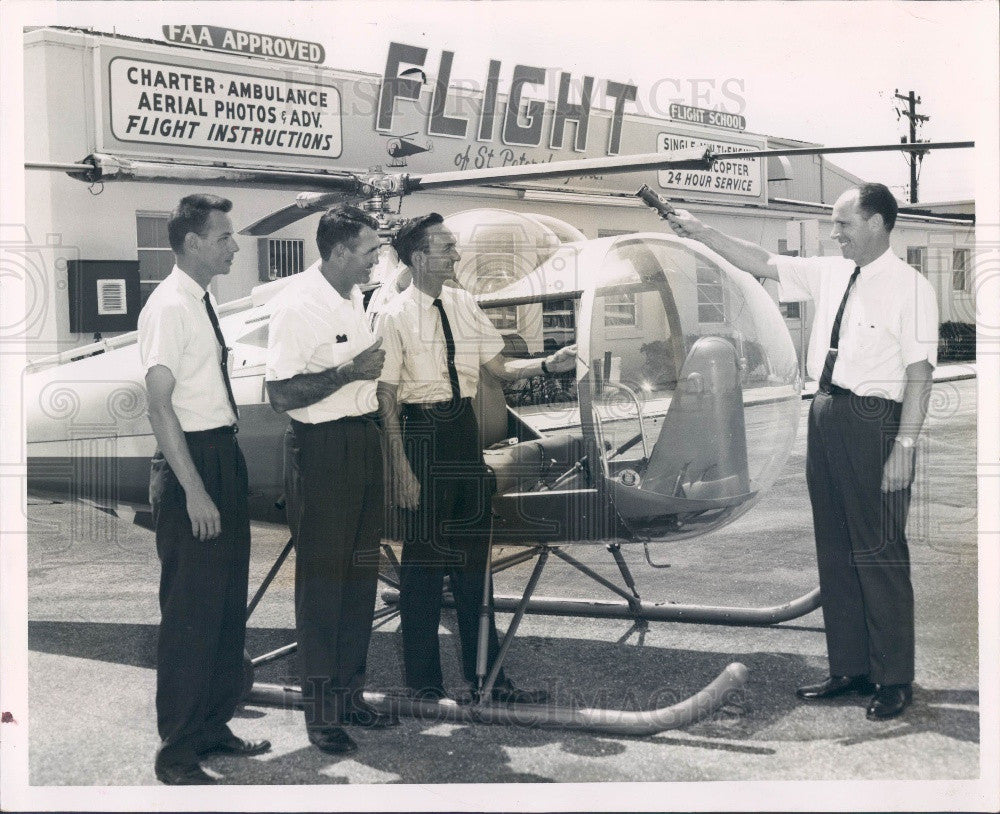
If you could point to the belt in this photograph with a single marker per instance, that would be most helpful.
(836, 390)
(437, 406)
(347, 419)
(228, 429)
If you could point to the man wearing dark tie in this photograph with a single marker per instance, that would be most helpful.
(435, 339)
(872, 350)
(198, 489)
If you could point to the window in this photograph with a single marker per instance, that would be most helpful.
(558, 324)
(156, 259)
(503, 318)
(280, 258)
(960, 277)
(711, 299)
(496, 267)
(916, 256)
(619, 310)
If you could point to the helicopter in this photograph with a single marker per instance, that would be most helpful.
(668, 437)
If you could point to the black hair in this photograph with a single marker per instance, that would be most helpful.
(876, 199)
(340, 224)
(412, 236)
(191, 215)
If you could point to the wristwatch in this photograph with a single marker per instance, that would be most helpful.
(905, 441)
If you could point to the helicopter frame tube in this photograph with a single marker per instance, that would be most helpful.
(603, 721)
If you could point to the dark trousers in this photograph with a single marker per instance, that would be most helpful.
(203, 599)
(864, 563)
(447, 534)
(335, 495)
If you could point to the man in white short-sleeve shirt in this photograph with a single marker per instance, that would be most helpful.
(435, 339)
(198, 490)
(872, 350)
(322, 366)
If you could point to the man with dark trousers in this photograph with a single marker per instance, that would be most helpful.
(435, 339)
(322, 363)
(872, 350)
(198, 489)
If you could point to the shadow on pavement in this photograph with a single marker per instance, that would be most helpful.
(953, 713)
(579, 672)
(129, 644)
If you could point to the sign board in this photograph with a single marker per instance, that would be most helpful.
(245, 42)
(743, 178)
(179, 104)
(192, 106)
(715, 118)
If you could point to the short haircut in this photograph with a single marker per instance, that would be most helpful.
(412, 236)
(876, 199)
(340, 224)
(191, 215)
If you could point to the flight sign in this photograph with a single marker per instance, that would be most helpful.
(715, 118)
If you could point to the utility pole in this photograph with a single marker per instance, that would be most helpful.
(915, 118)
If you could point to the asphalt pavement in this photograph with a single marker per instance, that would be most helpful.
(92, 631)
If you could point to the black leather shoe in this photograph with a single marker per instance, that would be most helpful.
(183, 774)
(360, 713)
(889, 701)
(834, 686)
(507, 693)
(333, 740)
(234, 745)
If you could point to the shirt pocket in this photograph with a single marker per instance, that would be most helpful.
(425, 365)
(333, 354)
(873, 338)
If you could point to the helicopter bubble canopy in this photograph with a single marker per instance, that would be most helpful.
(499, 247)
(691, 393)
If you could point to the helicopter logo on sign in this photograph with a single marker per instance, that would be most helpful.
(400, 147)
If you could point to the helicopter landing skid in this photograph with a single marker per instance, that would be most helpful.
(605, 721)
(633, 607)
(481, 710)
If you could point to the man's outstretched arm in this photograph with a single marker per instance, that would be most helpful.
(743, 254)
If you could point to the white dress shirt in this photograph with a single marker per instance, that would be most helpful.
(313, 329)
(175, 331)
(890, 321)
(415, 352)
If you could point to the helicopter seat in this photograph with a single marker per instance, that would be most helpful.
(701, 451)
(490, 403)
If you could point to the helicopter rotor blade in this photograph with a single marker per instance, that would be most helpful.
(698, 158)
(690, 158)
(101, 167)
(868, 148)
(306, 205)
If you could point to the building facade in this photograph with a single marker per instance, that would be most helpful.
(89, 92)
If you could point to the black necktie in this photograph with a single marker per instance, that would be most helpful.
(831, 355)
(449, 341)
(225, 352)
